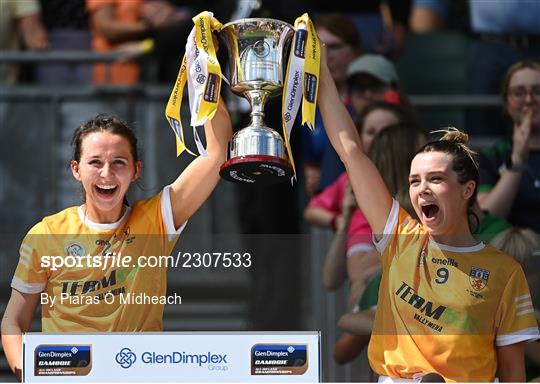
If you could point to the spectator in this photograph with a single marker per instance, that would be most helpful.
(114, 22)
(520, 243)
(343, 45)
(67, 27)
(340, 36)
(523, 244)
(20, 21)
(369, 78)
(510, 176)
(125, 24)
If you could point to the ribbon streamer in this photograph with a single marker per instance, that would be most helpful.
(202, 73)
(302, 73)
(312, 67)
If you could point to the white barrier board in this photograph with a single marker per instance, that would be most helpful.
(176, 356)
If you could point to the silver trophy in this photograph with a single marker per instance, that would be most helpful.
(258, 51)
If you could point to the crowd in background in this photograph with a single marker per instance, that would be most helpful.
(363, 40)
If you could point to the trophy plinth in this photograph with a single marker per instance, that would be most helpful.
(257, 50)
(257, 155)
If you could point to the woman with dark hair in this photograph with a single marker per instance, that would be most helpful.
(448, 304)
(391, 151)
(108, 241)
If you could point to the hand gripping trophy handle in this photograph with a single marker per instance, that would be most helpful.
(257, 51)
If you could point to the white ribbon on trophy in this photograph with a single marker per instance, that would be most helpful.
(197, 75)
(295, 90)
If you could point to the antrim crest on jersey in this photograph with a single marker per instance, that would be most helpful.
(478, 278)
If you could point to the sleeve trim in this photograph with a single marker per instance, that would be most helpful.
(527, 334)
(388, 228)
(360, 247)
(25, 287)
(525, 311)
(166, 213)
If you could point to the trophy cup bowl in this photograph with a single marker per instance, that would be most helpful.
(257, 51)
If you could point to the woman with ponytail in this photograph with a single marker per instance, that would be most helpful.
(448, 304)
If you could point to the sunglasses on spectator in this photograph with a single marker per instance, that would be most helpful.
(520, 93)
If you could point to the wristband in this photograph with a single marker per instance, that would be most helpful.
(509, 165)
(147, 45)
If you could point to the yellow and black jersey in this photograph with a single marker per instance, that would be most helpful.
(445, 309)
(83, 267)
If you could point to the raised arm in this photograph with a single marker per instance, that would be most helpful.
(191, 189)
(369, 189)
(500, 199)
(17, 319)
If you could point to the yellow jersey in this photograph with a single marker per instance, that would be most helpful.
(445, 309)
(88, 273)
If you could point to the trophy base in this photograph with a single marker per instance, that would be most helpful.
(259, 169)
